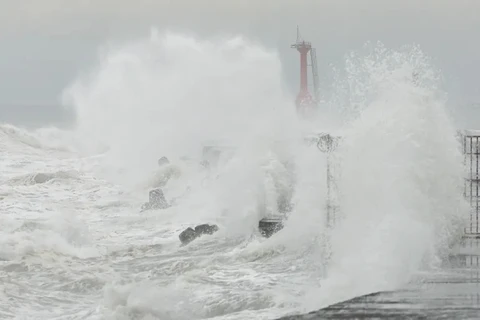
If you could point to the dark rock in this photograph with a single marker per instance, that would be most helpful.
(189, 234)
(162, 161)
(269, 226)
(156, 200)
(206, 229)
(156, 197)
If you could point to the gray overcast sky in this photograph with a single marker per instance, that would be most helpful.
(45, 43)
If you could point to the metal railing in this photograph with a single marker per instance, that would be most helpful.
(471, 151)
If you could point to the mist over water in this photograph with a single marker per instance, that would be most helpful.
(168, 94)
(398, 173)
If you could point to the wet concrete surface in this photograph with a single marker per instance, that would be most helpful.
(451, 293)
(449, 300)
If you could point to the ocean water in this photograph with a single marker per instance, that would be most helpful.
(78, 247)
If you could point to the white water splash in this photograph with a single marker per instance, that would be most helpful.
(79, 243)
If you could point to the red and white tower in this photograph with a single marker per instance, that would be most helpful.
(305, 102)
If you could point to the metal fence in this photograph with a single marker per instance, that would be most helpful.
(471, 151)
(469, 254)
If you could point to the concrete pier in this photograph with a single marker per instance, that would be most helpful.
(453, 293)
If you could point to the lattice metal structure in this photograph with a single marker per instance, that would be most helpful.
(327, 144)
(471, 151)
(467, 254)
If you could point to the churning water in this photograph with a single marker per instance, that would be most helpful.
(73, 244)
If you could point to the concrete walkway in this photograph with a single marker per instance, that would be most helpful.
(453, 293)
